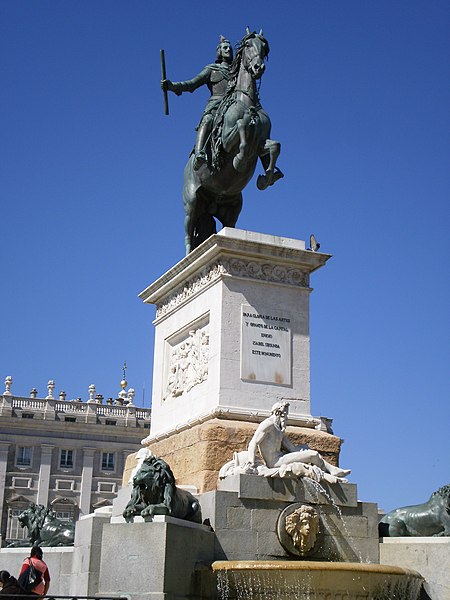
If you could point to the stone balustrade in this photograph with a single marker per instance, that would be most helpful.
(127, 415)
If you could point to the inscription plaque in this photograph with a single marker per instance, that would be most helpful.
(265, 346)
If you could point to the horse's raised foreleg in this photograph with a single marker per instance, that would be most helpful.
(269, 156)
(247, 129)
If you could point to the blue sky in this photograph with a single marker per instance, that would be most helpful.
(91, 176)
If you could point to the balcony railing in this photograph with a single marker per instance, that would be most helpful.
(127, 415)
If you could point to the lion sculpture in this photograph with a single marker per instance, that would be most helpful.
(429, 519)
(44, 528)
(155, 493)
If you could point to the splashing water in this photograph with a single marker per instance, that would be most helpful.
(254, 582)
(317, 489)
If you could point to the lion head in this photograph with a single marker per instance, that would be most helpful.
(302, 526)
(444, 491)
(155, 481)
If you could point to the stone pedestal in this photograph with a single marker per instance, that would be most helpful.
(232, 332)
(428, 555)
(153, 561)
(231, 339)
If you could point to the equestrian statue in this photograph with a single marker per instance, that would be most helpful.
(234, 131)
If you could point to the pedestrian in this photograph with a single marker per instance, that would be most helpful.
(10, 587)
(35, 559)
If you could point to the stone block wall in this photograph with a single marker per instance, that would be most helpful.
(245, 518)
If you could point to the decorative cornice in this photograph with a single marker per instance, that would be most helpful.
(235, 267)
(190, 288)
(235, 244)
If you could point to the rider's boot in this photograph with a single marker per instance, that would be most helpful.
(200, 157)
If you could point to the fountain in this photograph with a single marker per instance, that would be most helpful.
(322, 530)
(308, 580)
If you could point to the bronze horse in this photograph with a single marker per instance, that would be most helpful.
(240, 135)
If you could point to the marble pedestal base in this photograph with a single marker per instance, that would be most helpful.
(232, 332)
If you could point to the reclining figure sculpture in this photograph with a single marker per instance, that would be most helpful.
(295, 462)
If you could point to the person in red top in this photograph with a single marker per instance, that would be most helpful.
(35, 557)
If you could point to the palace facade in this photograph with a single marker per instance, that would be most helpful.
(65, 454)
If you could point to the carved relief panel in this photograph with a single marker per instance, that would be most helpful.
(187, 356)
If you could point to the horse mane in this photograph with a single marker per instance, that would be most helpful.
(228, 99)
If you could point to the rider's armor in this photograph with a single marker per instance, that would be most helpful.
(216, 77)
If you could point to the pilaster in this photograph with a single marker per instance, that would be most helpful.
(44, 474)
(4, 447)
(86, 481)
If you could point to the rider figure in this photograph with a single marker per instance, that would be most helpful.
(215, 76)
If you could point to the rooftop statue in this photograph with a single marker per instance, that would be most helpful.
(234, 131)
(432, 518)
(280, 457)
(44, 528)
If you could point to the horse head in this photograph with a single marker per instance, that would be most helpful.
(254, 50)
(251, 52)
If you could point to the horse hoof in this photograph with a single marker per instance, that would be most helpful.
(261, 182)
(264, 181)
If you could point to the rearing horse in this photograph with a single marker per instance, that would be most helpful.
(240, 135)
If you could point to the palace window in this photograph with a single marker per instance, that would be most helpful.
(14, 531)
(23, 458)
(27, 416)
(107, 461)
(66, 459)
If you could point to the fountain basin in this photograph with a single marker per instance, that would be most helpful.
(310, 580)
